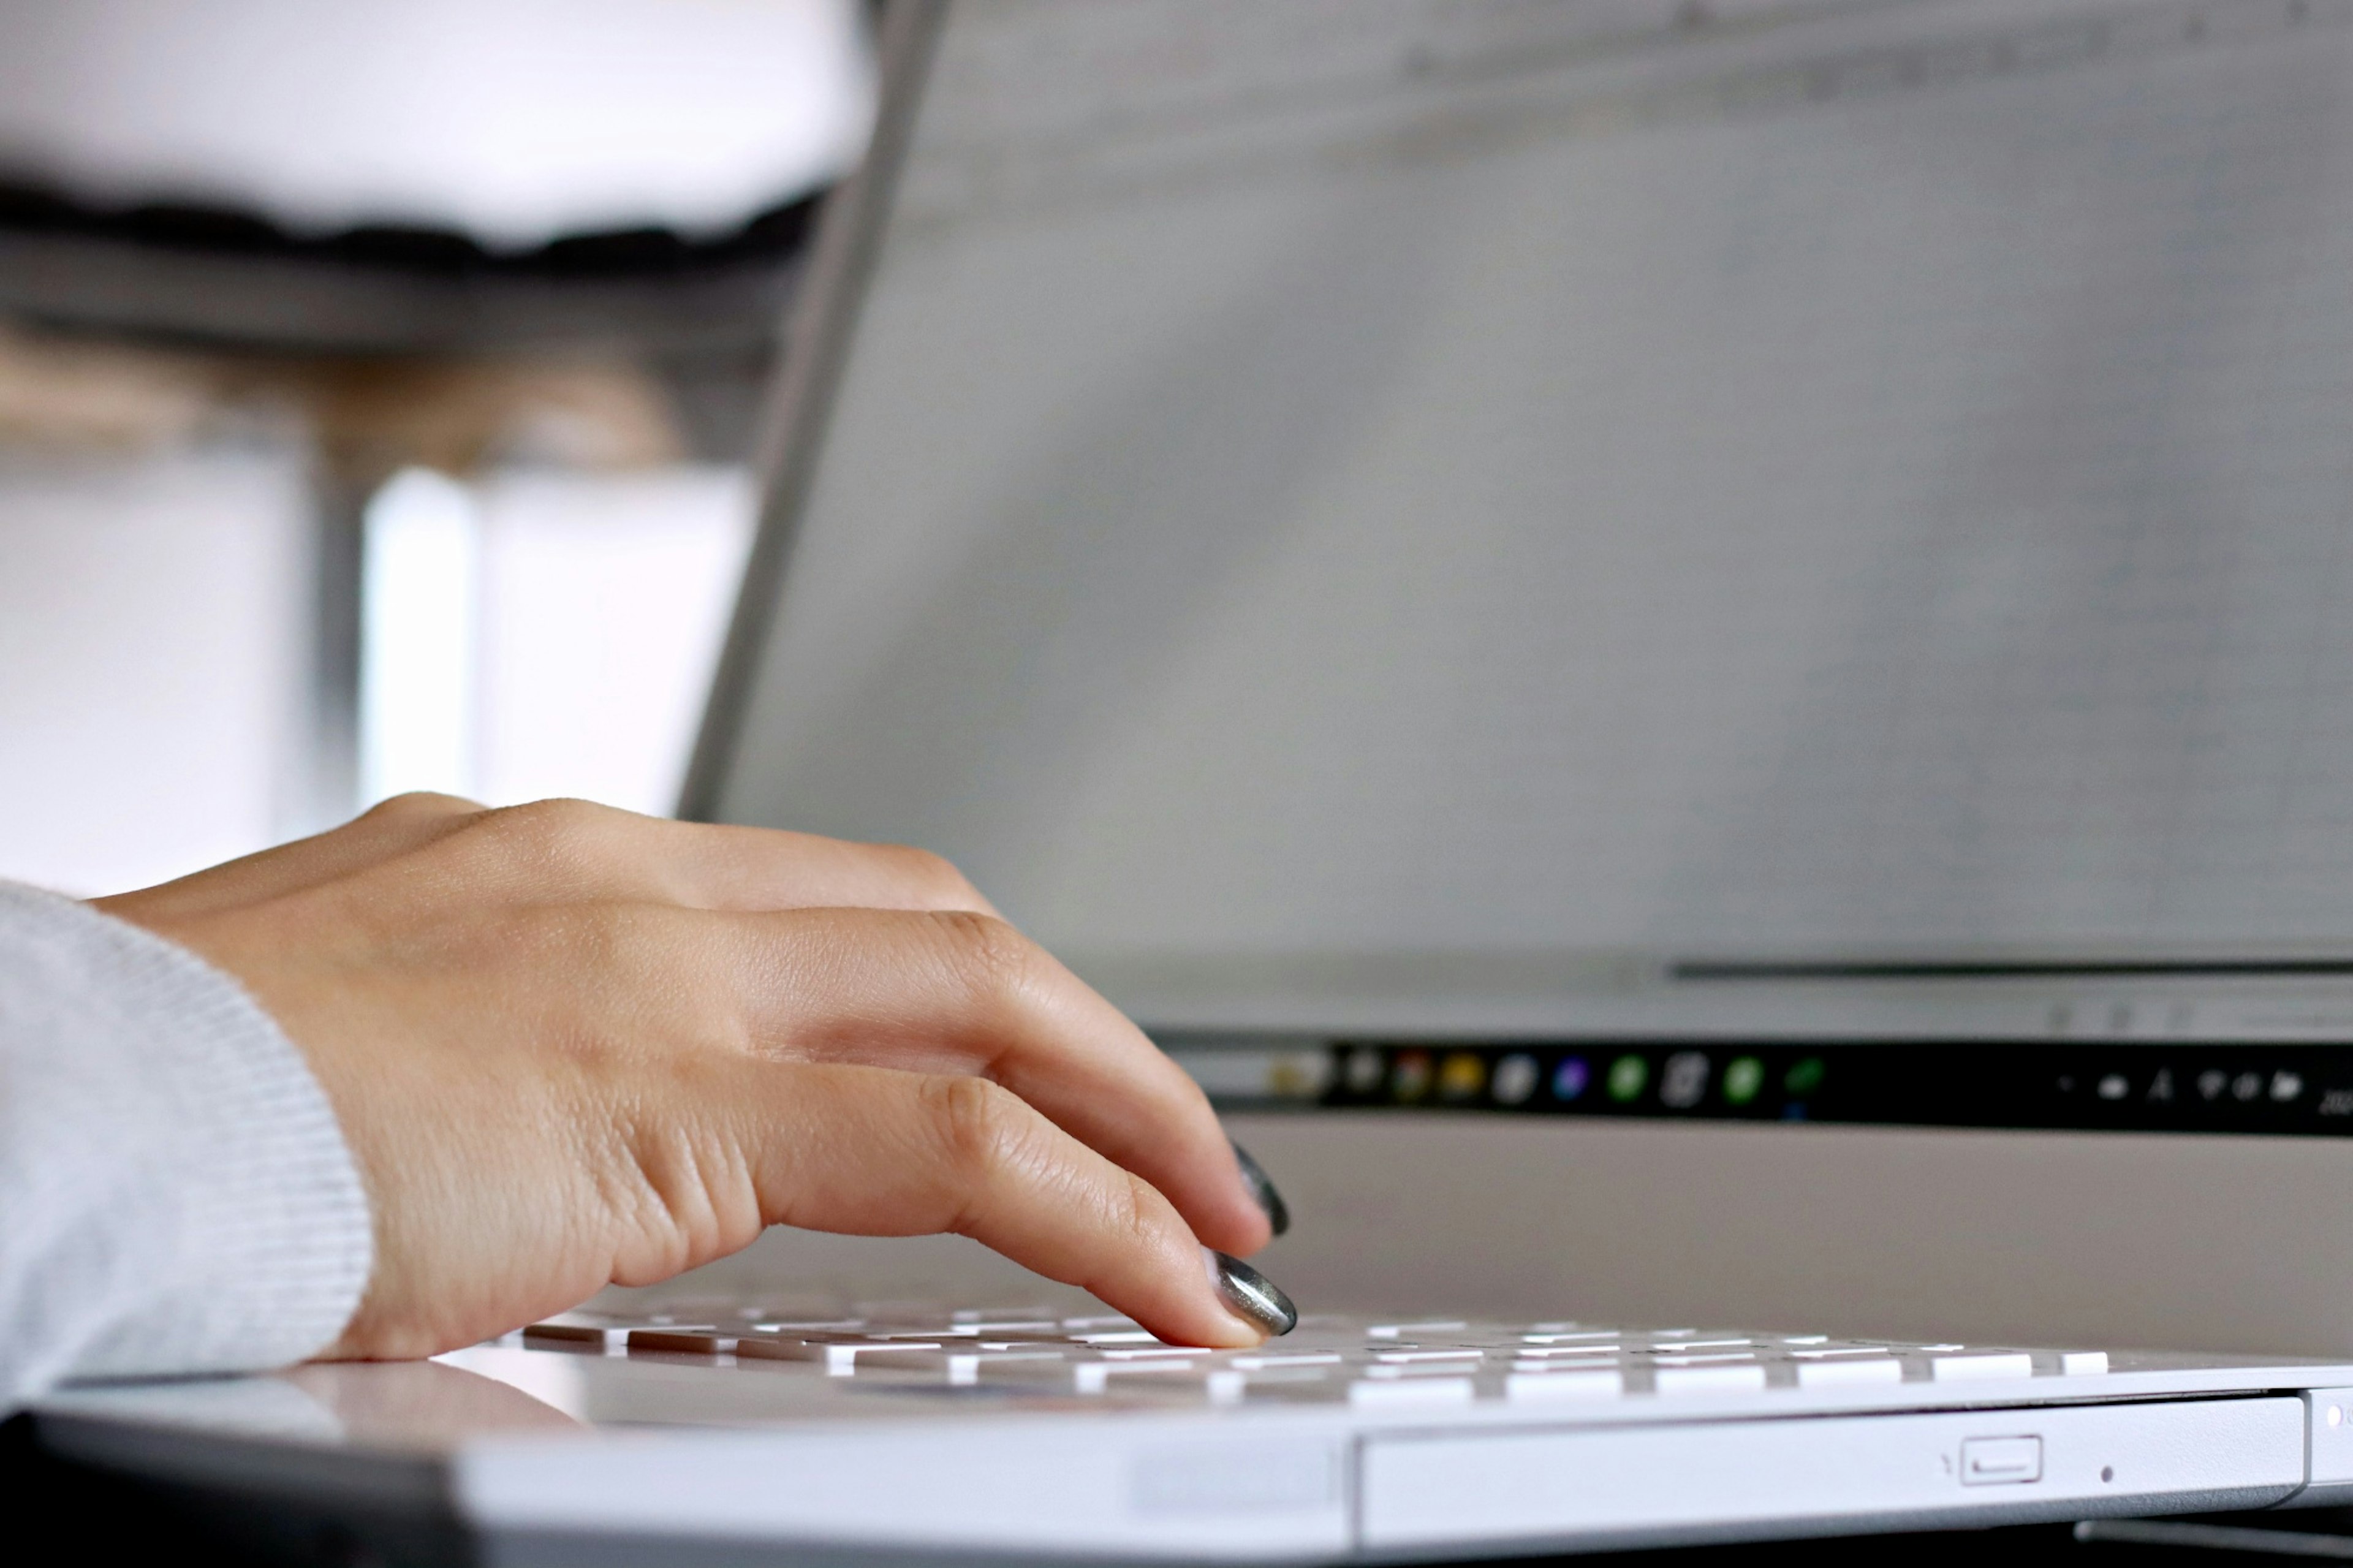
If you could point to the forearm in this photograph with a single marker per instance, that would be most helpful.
(175, 1194)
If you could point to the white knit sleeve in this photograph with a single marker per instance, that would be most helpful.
(175, 1194)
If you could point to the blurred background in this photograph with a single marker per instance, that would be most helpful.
(378, 390)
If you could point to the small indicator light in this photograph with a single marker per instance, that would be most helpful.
(1743, 1078)
(1804, 1077)
(2247, 1085)
(1515, 1080)
(1627, 1076)
(2337, 1416)
(1410, 1078)
(2160, 1087)
(1366, 1067)
(1684, 1082)
(2209, 1084)
(1569, 1078)
(2286, 1086)
(2114, 1087)
(1464, 1076)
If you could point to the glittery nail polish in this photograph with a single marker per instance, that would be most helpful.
(1278, 1213)
(1250, 1294)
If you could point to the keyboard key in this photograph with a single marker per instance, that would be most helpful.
(1095, 1376)
(1537, 1387)
(1268, 1363)
(839, 1360)
(2084, 1363)
(1708, 1379)
(1418, 1368)
(1967, 1368)
(1403, 1357)
(1402, 1330)
(1410, 1394)
(680, 1342)
(576, 1337)
(1846, 1371)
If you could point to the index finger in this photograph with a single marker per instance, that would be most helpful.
(879, 1153)
(953, 990)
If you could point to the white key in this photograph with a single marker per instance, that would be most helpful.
(1718, 1359)
(1117, 1337)
(1848, 1369)
(1398, 1331)
(1410, 1394)
(1535, 1387)
(1043, 1369)
(1708, 1379)
(1401, 1357)
(1418, 1370)
(1564, 1352)
(1805, 1339)
(1094, 1376)
(1967, 1368)
(1264, 1363)
(840, 1360)
(1830, 1351)
(2084, 1363)
(1536, 1337)
(1154, 1352)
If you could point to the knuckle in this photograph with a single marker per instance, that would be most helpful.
(551, 832)
(984, 1128)
(1140, 1209)
(935, 874)
(991, 957)
(421, 805)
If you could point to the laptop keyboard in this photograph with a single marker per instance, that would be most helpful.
(1364, 1362)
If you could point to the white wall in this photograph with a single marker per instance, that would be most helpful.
(604, 599)
(547, 632)
(153, 612)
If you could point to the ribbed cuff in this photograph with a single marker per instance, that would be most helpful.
(194, 1205)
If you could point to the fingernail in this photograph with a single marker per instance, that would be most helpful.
(1250, 1294)
(1254, 1176)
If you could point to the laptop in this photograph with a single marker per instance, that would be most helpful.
(1691, 653)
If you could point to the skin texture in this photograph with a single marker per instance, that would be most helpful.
(571, 1046)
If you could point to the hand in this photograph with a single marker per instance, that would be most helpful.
(571, 1046)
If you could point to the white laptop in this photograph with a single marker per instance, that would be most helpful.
(1695, 655)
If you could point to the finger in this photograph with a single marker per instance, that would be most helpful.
(399, 825)
(948, 992)
(575, 848)
(872, 1152)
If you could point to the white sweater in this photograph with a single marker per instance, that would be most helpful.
(175, 1195)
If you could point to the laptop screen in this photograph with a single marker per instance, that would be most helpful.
(1820, 518)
